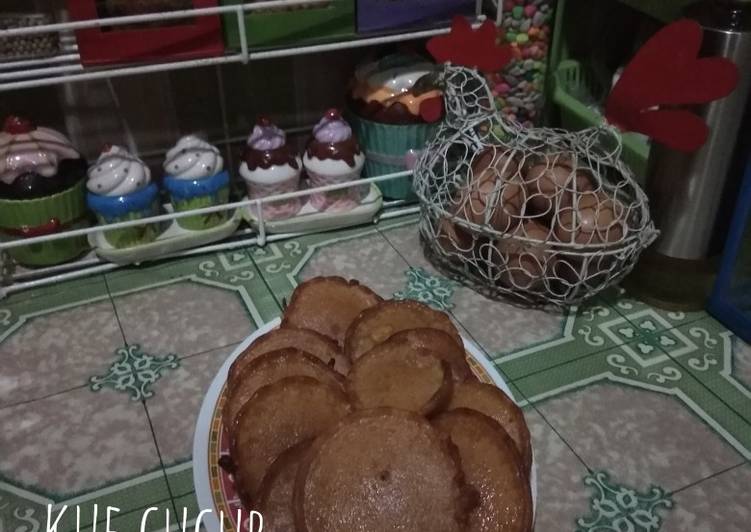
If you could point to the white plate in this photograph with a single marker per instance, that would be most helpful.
(309, 220)
(209, 478)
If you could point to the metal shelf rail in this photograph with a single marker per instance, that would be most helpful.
(90, 264)
(66, 67)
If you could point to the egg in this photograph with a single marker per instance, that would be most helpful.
(593, 218)
(454, 239)
(553, 187)
(497, 162)
(494, 195)
(525, 263)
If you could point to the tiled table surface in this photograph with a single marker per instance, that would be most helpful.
(641, 418)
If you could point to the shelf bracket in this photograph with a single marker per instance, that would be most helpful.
(243, 36)
(7, 269)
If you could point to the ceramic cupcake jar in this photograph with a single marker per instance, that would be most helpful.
(42, 178)
(395, 105)
(195, 179)
(333, 156)
(270, 166)
(120, 189)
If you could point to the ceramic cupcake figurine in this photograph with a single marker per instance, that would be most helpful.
(42, 179)
(396, 105)
(120, 189)
(271, 166)
(195, 179)
(333, 156)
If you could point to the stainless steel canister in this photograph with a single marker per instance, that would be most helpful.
(691, 194)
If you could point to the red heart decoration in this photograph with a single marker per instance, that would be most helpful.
(470, 48)
(431, 109)
(667, 71)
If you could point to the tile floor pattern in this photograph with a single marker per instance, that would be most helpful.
(640, 418)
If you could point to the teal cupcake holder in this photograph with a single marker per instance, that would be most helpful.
(389, 149)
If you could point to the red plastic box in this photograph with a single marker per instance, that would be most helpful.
(175, 39)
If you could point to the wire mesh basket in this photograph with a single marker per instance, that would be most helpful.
(544, 216)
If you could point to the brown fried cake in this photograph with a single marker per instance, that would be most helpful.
(378, 323)
(397, 375)
(381, 470)
(275, 493)
(277, 417)
(328, 305)
(269, 368)
(491, 401)
(493, 466)
(306, 340)
(441, 344)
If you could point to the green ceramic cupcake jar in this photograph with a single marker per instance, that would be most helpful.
(42, 192)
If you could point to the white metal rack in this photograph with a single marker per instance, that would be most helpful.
(66, 67)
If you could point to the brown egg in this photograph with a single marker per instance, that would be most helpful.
(552, 187)
(454, 239)
(594, 218)
(497, 162)
(494, 195)
(581, 185)
(526, 262)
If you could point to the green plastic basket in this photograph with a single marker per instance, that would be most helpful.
(302, 24)
(578, 93)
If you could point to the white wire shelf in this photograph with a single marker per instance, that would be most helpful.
(67, 67)
(17, 279)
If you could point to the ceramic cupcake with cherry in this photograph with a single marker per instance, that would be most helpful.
(42, 191)
(271, 166)
(332, 157)
(195, 179)
(396, 104)
(120, 190)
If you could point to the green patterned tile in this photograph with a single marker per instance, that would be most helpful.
(617, 507)
(21, 510)
(721, 503)
(134, 373)
(54, 349)
(57, 294)
(231, 271)
(621, 428)
(155, 520)
(180, 479)
(282, 263)
(720, 361)
(19, 307)
(187, 505)
(81, 441)
(428, 288)
(584, 332)
(561, 494)
(618, 365)
(20, 506)
(173, 410)
(647, 317)
(186, 317)
(360, 253)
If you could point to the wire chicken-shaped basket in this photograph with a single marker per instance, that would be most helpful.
(545, 216)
